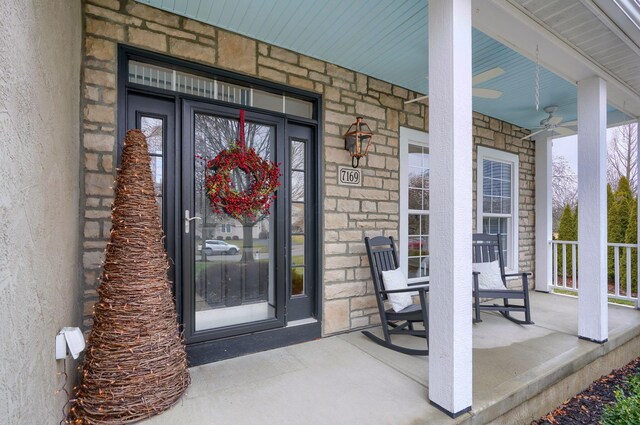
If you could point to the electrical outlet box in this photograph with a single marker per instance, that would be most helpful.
(71, 338)
(61, 347)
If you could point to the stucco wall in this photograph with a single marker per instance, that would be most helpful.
(350, 213)
(39, 184)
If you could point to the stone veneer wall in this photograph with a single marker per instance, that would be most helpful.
(501, 135)
(350, 213)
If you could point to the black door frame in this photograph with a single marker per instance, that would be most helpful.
(232, 346)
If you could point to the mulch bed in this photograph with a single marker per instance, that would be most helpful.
(588, 406)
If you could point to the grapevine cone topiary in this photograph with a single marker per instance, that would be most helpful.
(135, 364)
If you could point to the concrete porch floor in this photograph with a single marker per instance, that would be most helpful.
(347, 379)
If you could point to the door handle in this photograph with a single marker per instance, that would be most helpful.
(188, 220)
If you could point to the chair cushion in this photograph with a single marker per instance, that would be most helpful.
(394, 279)
(490, 277)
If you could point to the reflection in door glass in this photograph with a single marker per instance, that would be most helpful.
(153, 129)
(234, 262)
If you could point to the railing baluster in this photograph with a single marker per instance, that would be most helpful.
(616, 272)
(628, 258)
(574, 262)
(564, 265)
(554, 255)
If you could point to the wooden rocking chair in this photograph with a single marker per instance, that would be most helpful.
(488, 248)
(382, 257)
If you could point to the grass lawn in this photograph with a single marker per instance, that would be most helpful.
(262, 243)
(611, 300)
(259, 245)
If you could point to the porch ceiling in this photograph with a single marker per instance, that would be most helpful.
(599, 29)
(388, 40)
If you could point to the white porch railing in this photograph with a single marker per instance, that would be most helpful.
(565, 264)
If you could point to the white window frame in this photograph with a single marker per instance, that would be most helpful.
(511, 158)
(414, 137)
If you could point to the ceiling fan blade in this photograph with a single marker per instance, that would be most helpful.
(554, 120)
(570, 123)
(564, 131)
(417, 99)
(487, 93)
(533, 134)
(487, 75)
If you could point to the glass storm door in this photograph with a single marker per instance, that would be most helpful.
(232, 269)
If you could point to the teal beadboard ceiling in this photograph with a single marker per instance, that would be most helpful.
(387, 39)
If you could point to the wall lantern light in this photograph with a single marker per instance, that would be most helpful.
(357, 140)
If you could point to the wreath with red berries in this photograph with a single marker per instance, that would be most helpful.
(253, 203)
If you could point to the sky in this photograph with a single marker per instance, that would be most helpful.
(568, 147)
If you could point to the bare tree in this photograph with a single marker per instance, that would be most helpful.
(564, 186)
(622, 156)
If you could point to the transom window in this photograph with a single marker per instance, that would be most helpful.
(497, 193)
(213, 88)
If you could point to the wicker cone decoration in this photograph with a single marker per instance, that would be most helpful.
(135, 366)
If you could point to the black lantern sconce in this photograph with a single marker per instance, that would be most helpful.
(357, 140)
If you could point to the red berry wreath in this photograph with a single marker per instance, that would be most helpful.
(252, 204)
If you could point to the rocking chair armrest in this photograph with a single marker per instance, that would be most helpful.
(424, 288)
(522, 274)
(421, 282)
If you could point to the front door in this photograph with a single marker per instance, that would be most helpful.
(234, 271)
(239, 287)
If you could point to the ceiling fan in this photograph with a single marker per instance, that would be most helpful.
(478, 79)
(552, 123)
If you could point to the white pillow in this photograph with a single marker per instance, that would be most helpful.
(489, 277)
(394, 279)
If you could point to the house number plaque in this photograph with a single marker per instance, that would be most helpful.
(348, 176)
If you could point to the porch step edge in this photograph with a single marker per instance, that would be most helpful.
(566, 379)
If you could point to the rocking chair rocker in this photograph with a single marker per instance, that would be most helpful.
(382, 257)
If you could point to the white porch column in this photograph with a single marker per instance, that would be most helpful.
(638, 196)
(544, 219)
(450, 339)
(592, 211)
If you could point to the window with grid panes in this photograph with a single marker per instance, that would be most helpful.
(497, 208)
(414, 201)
